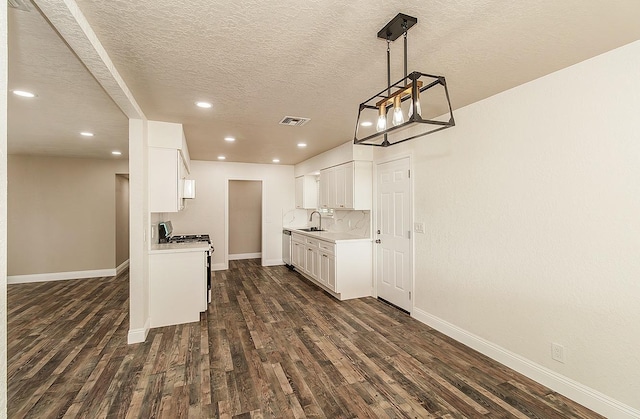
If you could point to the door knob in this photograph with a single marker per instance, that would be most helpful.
(378, 241)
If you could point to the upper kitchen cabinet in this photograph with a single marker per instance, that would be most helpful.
(169, 165)
(347, 186)
(306, 192)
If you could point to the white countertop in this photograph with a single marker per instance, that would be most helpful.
(179, 247)
(332, 236)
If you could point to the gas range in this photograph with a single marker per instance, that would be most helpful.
(190, 238)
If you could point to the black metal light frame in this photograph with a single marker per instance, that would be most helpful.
(411, 87)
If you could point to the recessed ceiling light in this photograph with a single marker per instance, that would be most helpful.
(116, 153)
(302, 145)
(205, 105)
(367, 123)
(86, 134)
(221, 157)
(23, 93)
(317, 173)
(276, 160)
(229, 139)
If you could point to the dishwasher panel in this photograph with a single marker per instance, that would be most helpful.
(286, 247)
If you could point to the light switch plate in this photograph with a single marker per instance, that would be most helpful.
(418, 227)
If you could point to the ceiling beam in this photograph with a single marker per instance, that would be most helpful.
(73, 27)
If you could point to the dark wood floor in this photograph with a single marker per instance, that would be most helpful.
(271, 345)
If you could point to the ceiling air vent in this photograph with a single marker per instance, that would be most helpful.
(19, 4)
(294, 121)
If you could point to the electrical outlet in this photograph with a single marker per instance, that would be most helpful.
(557, 352)
(418, 227)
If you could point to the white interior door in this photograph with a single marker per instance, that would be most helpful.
(394, 253)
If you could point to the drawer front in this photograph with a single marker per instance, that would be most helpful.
(327, 247)
(312, 242)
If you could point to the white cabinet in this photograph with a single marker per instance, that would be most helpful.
(347, 186)
(305, 255)
(167, 172)
(344, 268)
(306, 192)
(311, 262)
(297, 251)
(341, 187)
(312, 258)
(169, 165)
(327, 272)
(327, 188)
(177, 287)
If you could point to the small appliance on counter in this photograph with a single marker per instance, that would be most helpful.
(164, 231)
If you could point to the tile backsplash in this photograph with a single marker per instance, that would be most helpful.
(357, 223)
(295, 218)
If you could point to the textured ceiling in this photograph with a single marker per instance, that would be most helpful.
(258, 61)
(69, 99)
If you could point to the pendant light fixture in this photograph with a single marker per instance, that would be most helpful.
(414, 106)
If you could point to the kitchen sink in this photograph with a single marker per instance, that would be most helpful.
(311, 229)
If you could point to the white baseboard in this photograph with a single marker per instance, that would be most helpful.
(124, 265)
(218, 267)
(242, 256)
(59, 276)
(139, 335)
(580, 393)
(272, 262)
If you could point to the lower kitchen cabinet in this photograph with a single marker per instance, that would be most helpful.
(342, 267)
(177, 287)
(328, 270)
(297, 252)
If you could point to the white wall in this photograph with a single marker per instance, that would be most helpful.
(531, 205)
(139, 323)
(206, 213)
(3, 211)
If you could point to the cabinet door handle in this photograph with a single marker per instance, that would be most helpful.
(325, 256)
(378, 241)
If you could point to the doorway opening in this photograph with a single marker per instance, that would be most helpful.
(122, 222)
(244, 219)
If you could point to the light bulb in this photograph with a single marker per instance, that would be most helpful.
(382, 119)
(418, 108)
(398, 117)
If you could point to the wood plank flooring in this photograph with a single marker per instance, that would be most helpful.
(271, 345)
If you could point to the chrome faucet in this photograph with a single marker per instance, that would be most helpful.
(319, 222)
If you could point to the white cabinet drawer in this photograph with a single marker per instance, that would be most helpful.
(312, 242)
(327, 247)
